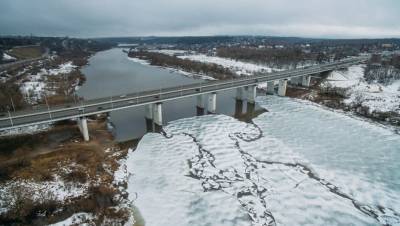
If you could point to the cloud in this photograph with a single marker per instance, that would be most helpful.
(311, 18)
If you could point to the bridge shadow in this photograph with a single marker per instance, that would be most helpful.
(152, 127)
(200, 111)
(249, 113)
(244, 111)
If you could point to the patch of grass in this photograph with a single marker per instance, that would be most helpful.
(23, 53)
(76, 176)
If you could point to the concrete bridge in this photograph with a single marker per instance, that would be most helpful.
(206, 93)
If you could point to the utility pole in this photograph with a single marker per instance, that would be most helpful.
(9, 115)
(48, 107)
(12, 104)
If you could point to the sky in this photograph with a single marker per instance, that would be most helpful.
(111, 18)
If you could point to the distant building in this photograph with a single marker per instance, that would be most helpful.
(387, 45)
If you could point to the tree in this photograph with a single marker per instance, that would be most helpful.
(1, 55)
(10, 91)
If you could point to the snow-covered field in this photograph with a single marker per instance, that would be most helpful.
(239, 67)
(34, 85)
(298, 164)
(171, 52)
(76, 219)
(182, 72)
(57, 190)
(376, 96)
(8, 57)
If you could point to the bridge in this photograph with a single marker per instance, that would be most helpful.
(205, 91)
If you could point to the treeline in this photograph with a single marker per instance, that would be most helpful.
(384, 71)
(10, 97)
(159, 59)
(271, 56)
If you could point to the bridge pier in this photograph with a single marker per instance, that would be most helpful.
(157, 114)
(306, 80)
(251, 94)
(149, 111)
(238, 108)
(148, 115)
(82, 124)
(282, 87)
(200, 105)
(240, 93)
(212, 103)
(250, 108)
(271, 87)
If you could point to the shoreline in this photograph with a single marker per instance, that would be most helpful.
(336, 102)
(176, 70)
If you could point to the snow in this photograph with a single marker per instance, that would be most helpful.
(26, 130)
(239, 67)
(65, 68)
(216, 170)
(8, 57)
(377, 97)
(35, 85)
(346, 79)
(76, 219)
(140, 61)
(170, 52)
(57, 190)
(182, 72)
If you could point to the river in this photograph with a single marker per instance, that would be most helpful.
(296, 164)
(112, 73)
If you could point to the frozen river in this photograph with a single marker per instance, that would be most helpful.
(297, 164)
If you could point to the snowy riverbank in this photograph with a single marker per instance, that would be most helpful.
(182, 72)
(357, 91)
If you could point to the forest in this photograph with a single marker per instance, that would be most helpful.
(163, 60)
(383, 70)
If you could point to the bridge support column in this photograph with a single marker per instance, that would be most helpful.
(306, 81)
(149, 111)
(212, 103)
(251, 94)
(282, 87)
(82, 124)
(271, 87)
(149, 117)
(238, 108)
(200, 101)
(250, 108)
(200, 105)
(240, 93)
(157, 114)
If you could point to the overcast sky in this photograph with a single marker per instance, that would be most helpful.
(101, 18)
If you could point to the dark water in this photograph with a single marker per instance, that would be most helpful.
(112, 73)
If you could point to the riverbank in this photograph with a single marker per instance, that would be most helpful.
(55, 176)
(348, 91)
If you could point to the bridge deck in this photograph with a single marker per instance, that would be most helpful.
(91, 107)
